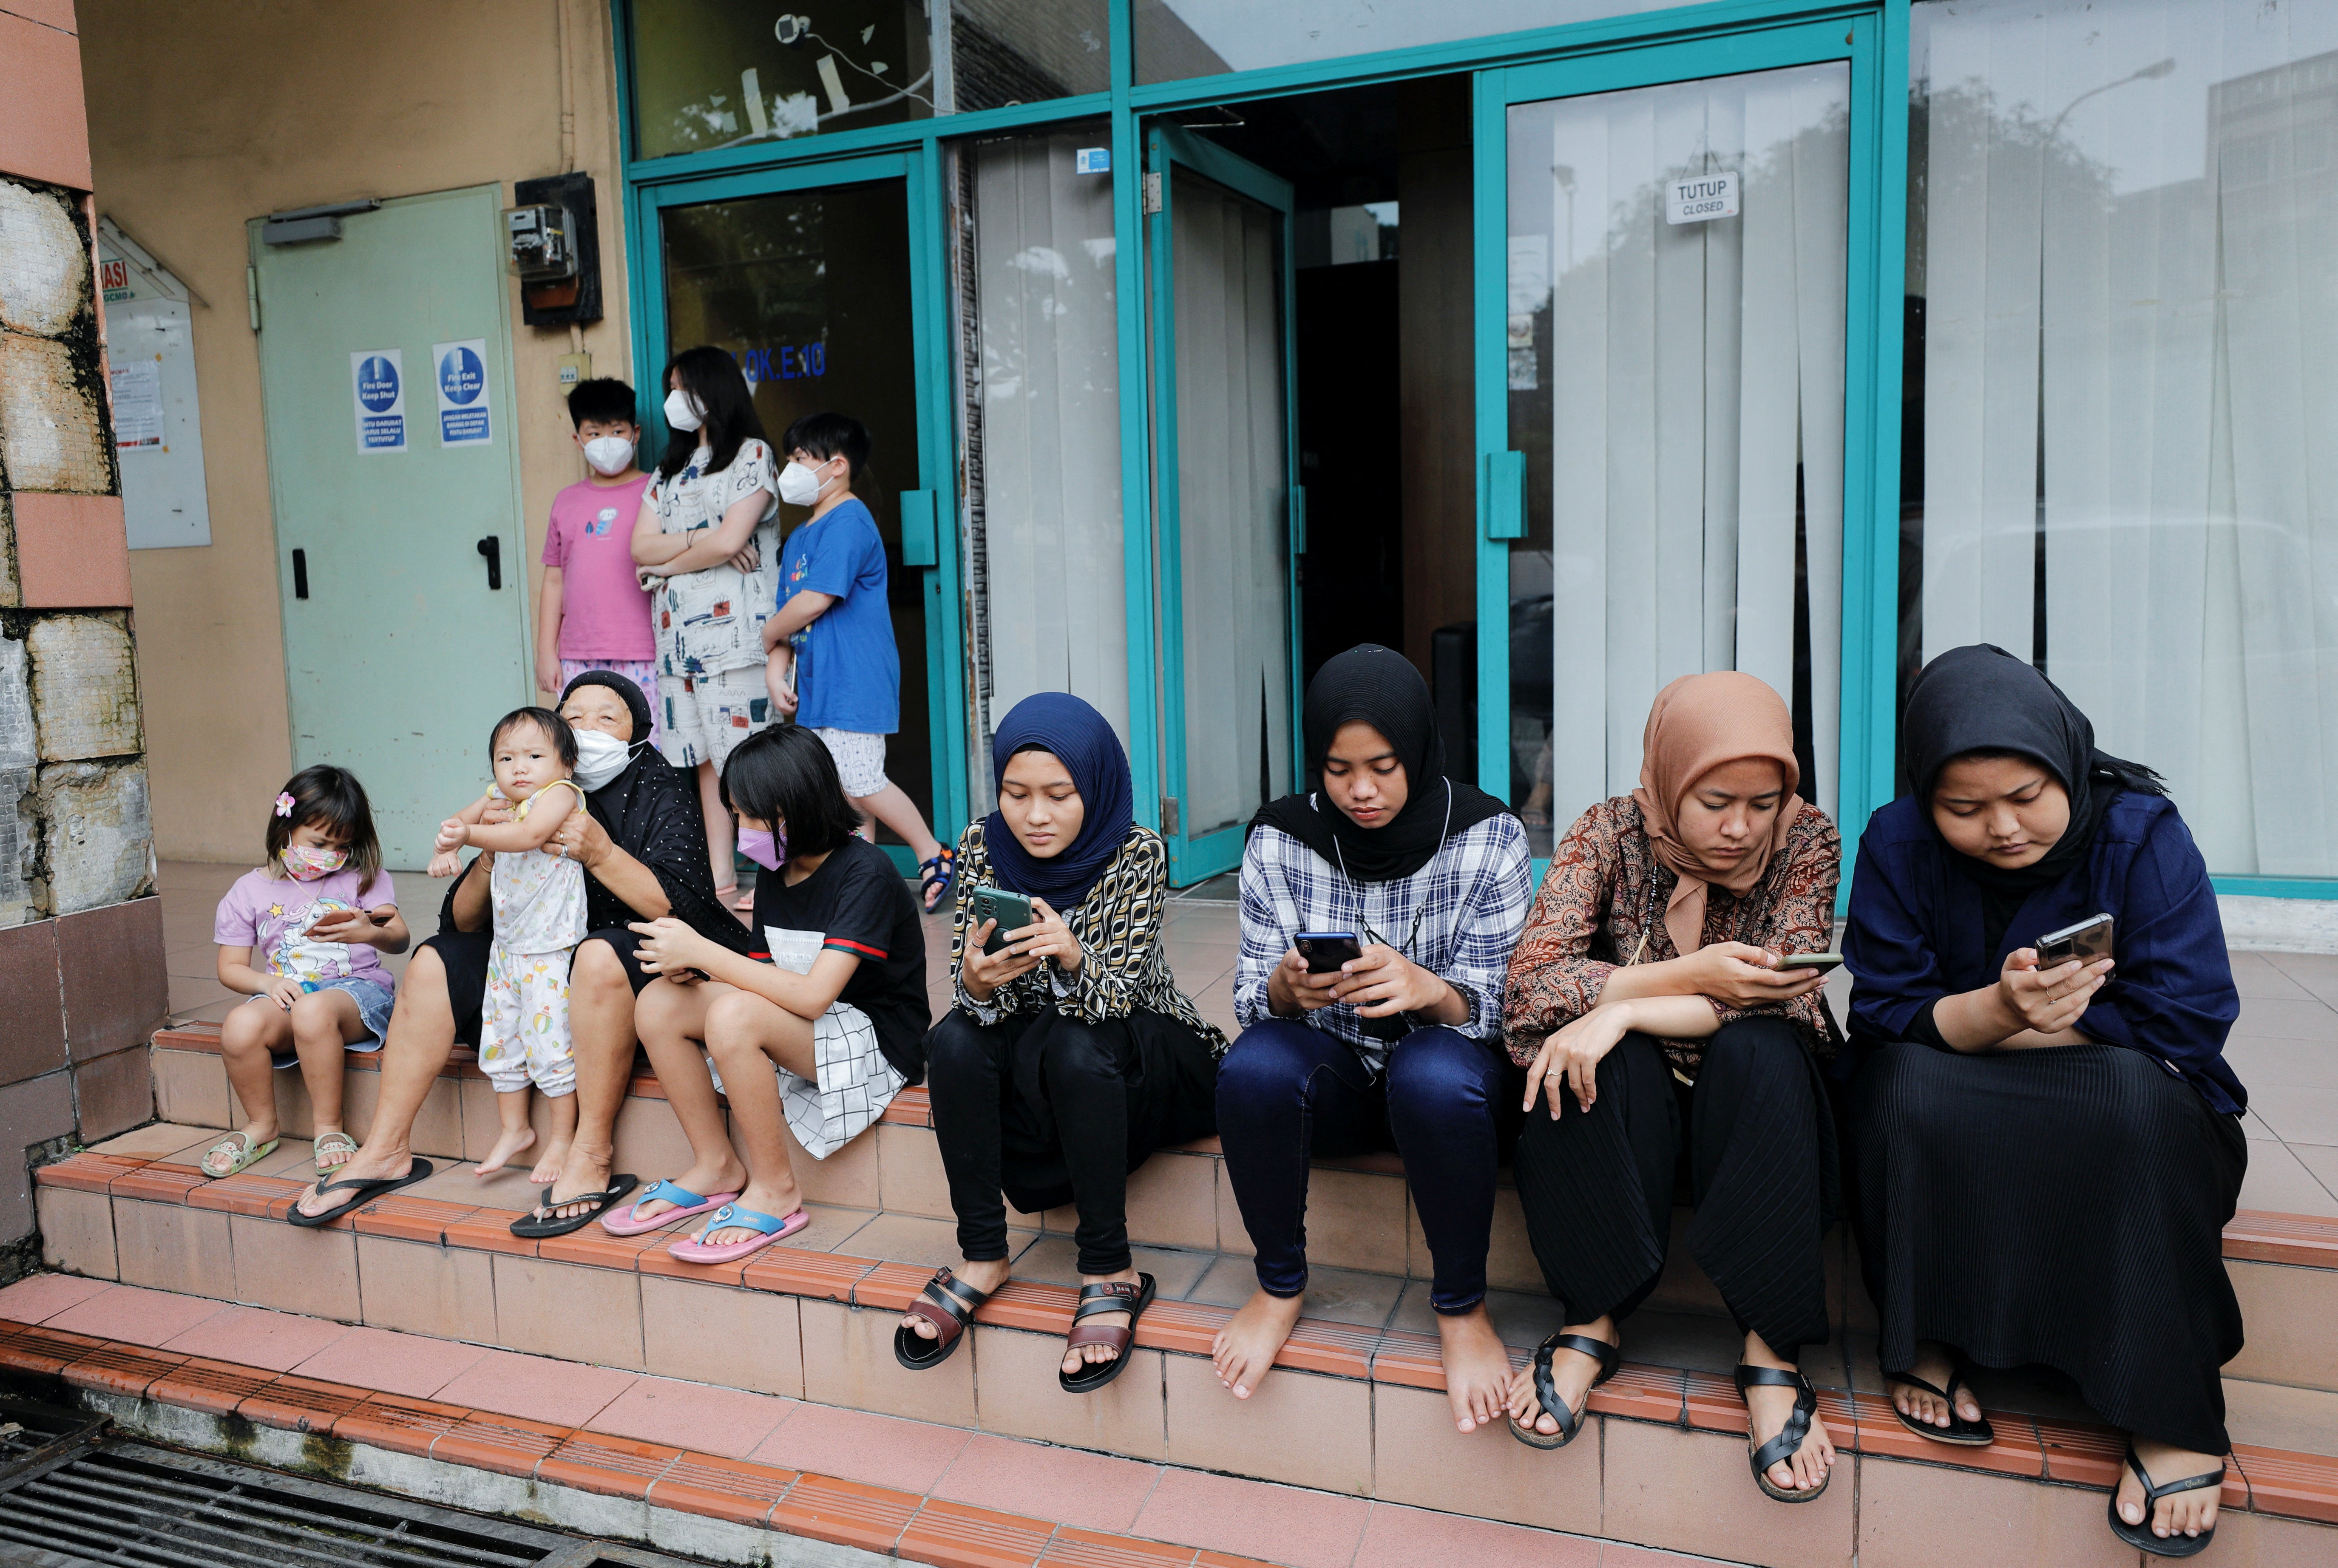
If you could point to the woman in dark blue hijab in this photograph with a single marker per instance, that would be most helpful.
(2044, 1153)
(1068, 1054)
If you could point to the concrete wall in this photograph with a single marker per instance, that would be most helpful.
(203, 116)
(81, 978)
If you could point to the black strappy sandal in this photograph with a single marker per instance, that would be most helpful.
(1959, 1432)
(366, 1193)
(946, 1302)
(2140, 1535)
(1113, 1296)
(1570, 1421)
(1789, 1440)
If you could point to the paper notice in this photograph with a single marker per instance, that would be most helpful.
(138, 404)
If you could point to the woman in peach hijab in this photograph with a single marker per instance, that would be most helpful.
(1650, 1003)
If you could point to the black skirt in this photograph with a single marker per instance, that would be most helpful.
(2062, 1207)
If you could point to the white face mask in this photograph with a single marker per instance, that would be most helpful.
(609, 454)
(600, 756)
(800, 485)
(681, 410)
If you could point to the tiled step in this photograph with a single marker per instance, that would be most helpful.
(1360, 1216)
(1355, 1410)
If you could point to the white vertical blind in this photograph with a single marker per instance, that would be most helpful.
(2130, 280)
(1233, 484)
(1697, 403)
(1056, 619)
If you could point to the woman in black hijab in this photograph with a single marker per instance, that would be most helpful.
(1396, 1047)
(2045, 1153)
(643, 845)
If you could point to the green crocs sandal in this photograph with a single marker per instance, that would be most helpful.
(241, 1152)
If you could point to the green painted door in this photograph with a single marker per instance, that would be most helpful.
(399, 545)
(1230, 510)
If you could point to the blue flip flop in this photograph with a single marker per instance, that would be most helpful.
(690, 1250)
(685, 1204)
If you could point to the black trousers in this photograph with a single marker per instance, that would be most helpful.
(2061, 1207)
(1597, 1185)
(1054, 1110)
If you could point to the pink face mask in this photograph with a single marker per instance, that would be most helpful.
(303, 864)
(762, 847)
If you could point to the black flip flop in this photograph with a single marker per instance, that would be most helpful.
(539, 1226)
(1959, 1433)
(1116, 1296)
(2140, 1535)
(946, 1302)
(1570, 1421)
(1789, 1440)
(366, 1193)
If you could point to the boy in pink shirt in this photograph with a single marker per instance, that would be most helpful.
(592, 613)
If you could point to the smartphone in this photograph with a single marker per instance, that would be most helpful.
(1011, 910)
(1325, 951)
(1821, 961)
(2086, 941)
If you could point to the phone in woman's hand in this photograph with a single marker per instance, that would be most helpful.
(1012, 911)
(1325, 951)
(2085, 940)
(1821, 961)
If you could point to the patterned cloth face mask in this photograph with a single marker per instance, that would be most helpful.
(305, 864)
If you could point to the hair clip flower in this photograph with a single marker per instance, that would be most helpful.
(284, 804)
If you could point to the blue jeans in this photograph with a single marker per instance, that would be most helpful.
(1287, 1093)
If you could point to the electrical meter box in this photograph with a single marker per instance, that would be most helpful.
(553, 242)
(542, 243)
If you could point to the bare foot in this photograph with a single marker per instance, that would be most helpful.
(510, 1143)
(1246, 1347)
(1096, 1354)
(1770, 1407)
(779, 1202)
(2186, 1512)
(986, 1277)
(1476, 1366)
(548, 1163)
(387, 1163)
(1571, 1372)
(1935, 1363)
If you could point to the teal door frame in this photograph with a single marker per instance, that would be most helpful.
(1169, 148)
(927, 540)
(1873, 40)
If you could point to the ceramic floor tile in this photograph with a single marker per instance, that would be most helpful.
(2277, 1180)
(1521, 1318)
(727, 1422)
(1349, 1296)
(536, 1387)
(1219, 1513)
(1084, 1491)
(1054, 1260)
(157, 1141)
(388, 1362)
(453, 1182)
(137, 1316)
(253, 1337)
(909, 1238)
(877, 1450)
(40, 1296)
(1397, 1537)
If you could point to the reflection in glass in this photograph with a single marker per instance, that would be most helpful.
(1176, 39)
(1675, 383)
(1040, 363)
(2123, 282)
(713, 73)
(810, 291)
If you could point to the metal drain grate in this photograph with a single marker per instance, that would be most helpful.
(135, 1506)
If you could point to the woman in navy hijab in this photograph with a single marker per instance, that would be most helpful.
(1069, 1054)
(2046, 1152)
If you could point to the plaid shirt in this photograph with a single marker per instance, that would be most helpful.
(1458, 917)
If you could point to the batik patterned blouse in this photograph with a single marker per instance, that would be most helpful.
(711, 621)
(1605, 891)
(1123, 968)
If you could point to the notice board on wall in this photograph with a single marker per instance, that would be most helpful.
(158, 434)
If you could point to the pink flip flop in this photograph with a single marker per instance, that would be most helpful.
(690, 1250)
(685, 1204)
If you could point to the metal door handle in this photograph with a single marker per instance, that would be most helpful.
(300, 573)
(492, 548)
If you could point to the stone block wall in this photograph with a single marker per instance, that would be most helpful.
(83, 981)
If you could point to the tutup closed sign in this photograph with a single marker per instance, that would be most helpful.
(1701, 198)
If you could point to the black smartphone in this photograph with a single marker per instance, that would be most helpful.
(1325, 951)
(1011, 910)
(1821, 961)
(2085, 940)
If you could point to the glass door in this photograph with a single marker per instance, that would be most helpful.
(1668, 484)
(1229, 514)
(805, 276)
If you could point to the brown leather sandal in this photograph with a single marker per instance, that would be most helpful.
(1113, 1296)
(946, 1302)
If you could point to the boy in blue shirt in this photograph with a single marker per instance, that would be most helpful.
(831, 661)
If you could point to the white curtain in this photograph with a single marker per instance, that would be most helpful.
(1233, 485)
(1698, 387)
(1054, 612)
(2130, 266)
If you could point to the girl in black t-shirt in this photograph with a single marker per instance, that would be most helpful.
(839, 1009)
